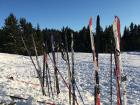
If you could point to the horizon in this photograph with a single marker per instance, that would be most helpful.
(74, 14)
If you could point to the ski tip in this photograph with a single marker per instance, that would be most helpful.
(115, 16)
(117, 19)
(90, 23)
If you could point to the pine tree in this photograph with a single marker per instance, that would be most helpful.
(98, 38)
(11, 35)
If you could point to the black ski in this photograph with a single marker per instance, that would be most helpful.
(55, 67)
(48, 77)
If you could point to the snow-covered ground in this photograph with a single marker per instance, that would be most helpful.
(18, 78)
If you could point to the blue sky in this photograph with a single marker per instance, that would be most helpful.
(72, 13)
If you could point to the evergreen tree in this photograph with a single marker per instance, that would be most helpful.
(131, 26)
(107, 38)
(26, 31)
(38, 35)
(99, 35)
(11, 35)
(131, 38)
(125, 38)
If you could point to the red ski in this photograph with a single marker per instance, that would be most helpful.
(116, 30)
(97, 89)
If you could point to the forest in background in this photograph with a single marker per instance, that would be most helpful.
(13, 29)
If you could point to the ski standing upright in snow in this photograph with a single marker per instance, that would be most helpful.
(69, 70)
(65, 57)
(120, 77)
(111, 74)
(97, 90)
(55, 67)
(73, 72)
(45, 66)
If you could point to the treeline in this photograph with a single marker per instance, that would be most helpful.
(13, 29)
(10, 36)
(131, 38)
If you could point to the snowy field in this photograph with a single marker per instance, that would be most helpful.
(18, 79)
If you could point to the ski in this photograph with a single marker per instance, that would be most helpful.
(73, 83)
(73, 73)
(69, 71)
(120, 77)
(116, 31)
(47, 68)
(55, 67)
(111, 73)
(97, 90)
(65, 81)
(36, 52)
(45, 71)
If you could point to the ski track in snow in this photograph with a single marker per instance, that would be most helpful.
(26, 84)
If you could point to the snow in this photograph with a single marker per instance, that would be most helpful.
(18, 78)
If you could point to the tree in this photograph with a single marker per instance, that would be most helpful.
(99, 35)
(38, 35)
(131, 38)
(131, 26)
(107, 39)
(125, 39)
(26, 30)
(11, 35)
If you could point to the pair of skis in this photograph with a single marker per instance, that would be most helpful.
(46, 70)
(72, 81)
(71, 71)
(68, 85)
(120, 77)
